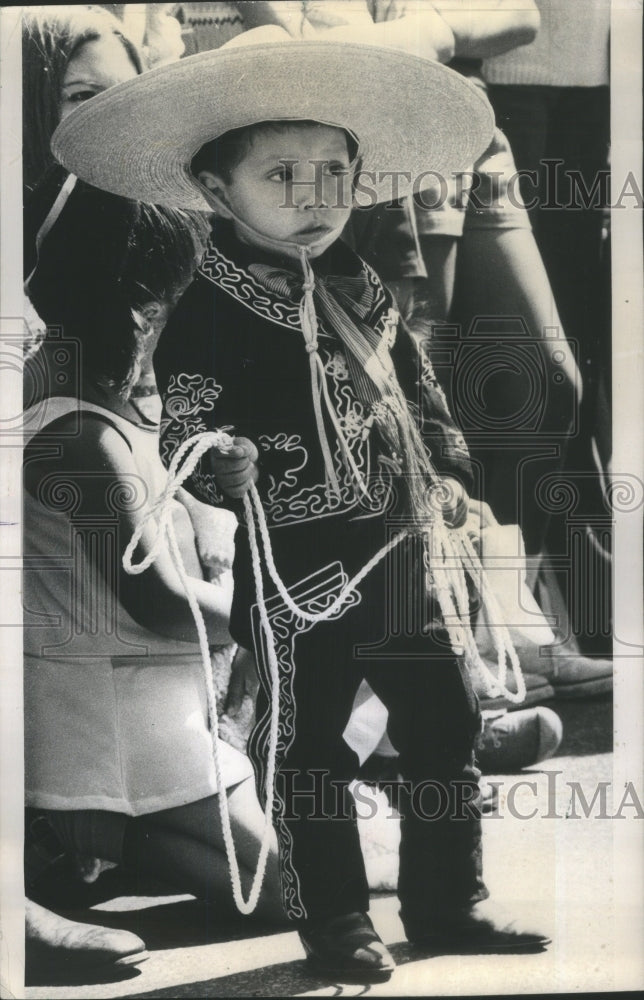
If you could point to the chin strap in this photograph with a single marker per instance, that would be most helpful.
(50, 221)
(309, 324)
(319, 389)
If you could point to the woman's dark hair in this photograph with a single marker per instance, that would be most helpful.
(50, 38)
(103, 260)
(223, 154)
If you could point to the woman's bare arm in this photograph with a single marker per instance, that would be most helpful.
(484, 28)
(98, 464)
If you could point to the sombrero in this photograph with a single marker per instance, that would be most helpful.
(412, 116)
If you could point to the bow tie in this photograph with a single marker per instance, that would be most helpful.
(353, 294)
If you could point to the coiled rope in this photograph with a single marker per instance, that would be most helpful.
(454, 557)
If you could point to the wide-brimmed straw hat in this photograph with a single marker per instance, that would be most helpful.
(408, 113)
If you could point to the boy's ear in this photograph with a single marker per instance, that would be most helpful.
(217, 187)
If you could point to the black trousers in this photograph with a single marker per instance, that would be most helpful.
(433, 721)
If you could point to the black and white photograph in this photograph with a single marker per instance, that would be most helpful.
(322, 445)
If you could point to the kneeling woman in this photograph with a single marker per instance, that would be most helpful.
(118, 750)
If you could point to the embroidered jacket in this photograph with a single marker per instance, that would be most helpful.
(233, 356)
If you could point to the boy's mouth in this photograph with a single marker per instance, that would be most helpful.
(315, 229)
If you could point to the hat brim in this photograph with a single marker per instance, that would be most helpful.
(410, 115)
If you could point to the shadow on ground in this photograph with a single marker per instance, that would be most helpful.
(171, 923)
(286, 979)
(38, 977)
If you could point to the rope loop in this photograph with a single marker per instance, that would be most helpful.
(449, 557)
(160, 513)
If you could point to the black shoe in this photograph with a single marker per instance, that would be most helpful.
(477, 932)
(347, 945)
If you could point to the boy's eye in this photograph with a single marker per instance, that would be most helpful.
(337, 169)
(281, 174)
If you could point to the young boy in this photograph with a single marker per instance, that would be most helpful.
(288, 338)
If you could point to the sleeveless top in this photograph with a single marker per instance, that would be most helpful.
(571, 49)
(115, 715)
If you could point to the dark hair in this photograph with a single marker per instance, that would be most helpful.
(103, 260)
(50, 38)
(223, 154)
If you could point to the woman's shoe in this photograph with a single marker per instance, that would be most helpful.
(62, 951)
(514, 740)
(347, 945)
(570, 673)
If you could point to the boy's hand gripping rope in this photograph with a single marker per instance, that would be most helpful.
(454, 556)
(161, 512)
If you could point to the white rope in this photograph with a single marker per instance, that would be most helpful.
(162, 509)
(319, 389)
(447, 572)
(309, 325)
(500, 635)
(347, 590)
(452, 595)
(456, 556)
(196, 446)
(345, 449)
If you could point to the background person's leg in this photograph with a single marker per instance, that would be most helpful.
(571, 125)
(185, 847)
(500, 276)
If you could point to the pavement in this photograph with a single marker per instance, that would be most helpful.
(555, 870)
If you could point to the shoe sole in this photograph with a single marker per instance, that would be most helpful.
(354, 975)
(129, 960)
(438, 947)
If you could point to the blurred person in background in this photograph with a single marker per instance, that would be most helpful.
(552, 100)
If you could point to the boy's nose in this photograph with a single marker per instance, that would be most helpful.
(312, 197)
(315, 191)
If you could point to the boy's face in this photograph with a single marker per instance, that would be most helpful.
(282, 192)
